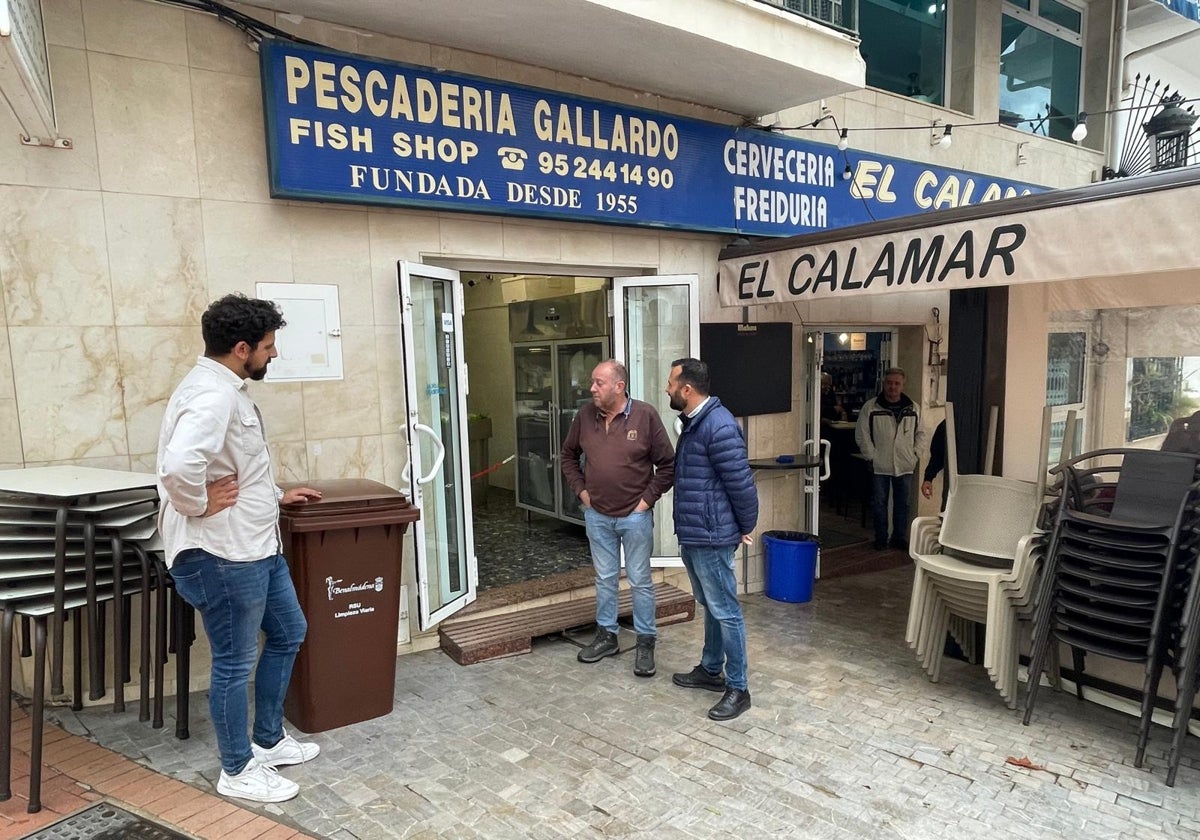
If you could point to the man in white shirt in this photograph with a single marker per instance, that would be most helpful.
(220, 527)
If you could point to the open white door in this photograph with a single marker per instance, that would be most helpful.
(435, 389)
(814, 444)
(656, 320)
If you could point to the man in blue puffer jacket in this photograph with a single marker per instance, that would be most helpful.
(716, 508)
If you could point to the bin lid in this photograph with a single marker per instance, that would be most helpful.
(340, 496)
(790, 536)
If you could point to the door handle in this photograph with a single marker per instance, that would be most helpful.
(441, 452)
(824, 450)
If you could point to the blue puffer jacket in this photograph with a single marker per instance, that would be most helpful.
(715, 499)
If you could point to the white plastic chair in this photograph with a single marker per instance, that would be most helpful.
(977, 562)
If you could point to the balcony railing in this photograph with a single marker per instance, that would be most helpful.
(840, 14)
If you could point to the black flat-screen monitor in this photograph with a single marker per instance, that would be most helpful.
(750, 366)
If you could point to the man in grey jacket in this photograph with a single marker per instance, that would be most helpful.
(889, 434)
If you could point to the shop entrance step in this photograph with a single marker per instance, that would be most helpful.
(472, 640)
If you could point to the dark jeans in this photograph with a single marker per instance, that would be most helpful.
(900, 486)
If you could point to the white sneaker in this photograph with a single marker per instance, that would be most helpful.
(287, 751)
(258, 783)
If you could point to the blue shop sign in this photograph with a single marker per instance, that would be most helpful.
(351, 129)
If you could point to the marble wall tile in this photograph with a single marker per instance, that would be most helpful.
(106, 462)
(461, 61)
(290, 460)
(153, 360)
(63, 20)
(351, 406)
(10, 432)
(395, 49)
(69, 393)
(136, 29)
(397, 236)
(215, 45)
(680, 255)
(144, 462)
(587, 247)
(349, 457)
(395, 456)
(7, 389)
(335, 249)
(636, 249)
(331, 35)
(230, 152)
(471, 236)
(156, 256)
(392, 404)
(531, 242)
(52, 257)
(282, 407)
(144, 133)
(74, 168)
(245, 244)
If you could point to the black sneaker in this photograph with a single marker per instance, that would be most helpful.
(881, 545)
(605, 644)
(734, 702)
(643, 663)
(699, 678)
(900, 543)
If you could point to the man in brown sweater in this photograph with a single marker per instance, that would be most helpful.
(618, 460)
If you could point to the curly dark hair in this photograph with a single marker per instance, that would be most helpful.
(236, 318)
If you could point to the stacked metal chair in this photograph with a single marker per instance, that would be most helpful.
(81, 557)
(1120, 566)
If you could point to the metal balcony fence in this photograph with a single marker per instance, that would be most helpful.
(840, 14)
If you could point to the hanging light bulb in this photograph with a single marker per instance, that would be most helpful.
(844, 140)
(1079, 132)
(946, 139)
(846, 173)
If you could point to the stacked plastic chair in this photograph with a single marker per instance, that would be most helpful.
(1118, 567)
(978, 562)
(1186, 643)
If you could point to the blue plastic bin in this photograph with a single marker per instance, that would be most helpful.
(791, 565)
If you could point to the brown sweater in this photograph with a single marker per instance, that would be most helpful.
(630, 460)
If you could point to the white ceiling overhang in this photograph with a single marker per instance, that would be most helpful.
(741, 56)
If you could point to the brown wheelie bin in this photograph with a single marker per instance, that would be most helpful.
(344, 552)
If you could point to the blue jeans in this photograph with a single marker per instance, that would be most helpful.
(236, 600)
(715, 588)
(900, 486)
(607, 535)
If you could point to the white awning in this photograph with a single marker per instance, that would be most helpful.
(1127, 228)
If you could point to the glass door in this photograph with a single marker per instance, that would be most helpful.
(574, 362)
(534, 402)
(435, 389)
(656, 320)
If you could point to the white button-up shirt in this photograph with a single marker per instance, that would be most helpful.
(213, 429)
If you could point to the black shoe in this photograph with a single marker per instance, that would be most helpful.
(881, 545)
(900, 543)
(734, 702)
(605, 644)
(699, 678)
(643, 663)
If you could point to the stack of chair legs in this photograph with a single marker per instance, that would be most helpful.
(1115, 575)
(1186, 645)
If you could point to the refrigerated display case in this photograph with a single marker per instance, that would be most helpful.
(553, 380)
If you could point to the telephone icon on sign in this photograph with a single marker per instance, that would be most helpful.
(512, 158)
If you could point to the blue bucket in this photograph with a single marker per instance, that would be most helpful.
(790, 565)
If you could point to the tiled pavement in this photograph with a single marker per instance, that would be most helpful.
(847, 739)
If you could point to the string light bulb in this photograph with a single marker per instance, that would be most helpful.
(846, 173)
(844, 139)
(945, 140)
(1079, 132)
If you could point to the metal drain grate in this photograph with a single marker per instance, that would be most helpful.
(106, 822)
